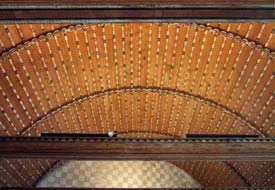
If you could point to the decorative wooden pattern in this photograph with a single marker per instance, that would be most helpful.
(144, 80)
(22, 173)
(15, 34)
(137, 149)
(213, 174)
(41, 92)
(260, 33)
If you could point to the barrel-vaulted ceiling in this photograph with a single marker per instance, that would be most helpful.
(143, 80)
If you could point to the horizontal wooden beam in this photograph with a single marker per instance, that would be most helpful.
(204, 188)
(164, 13)
(87, 3)
(66, 188)
(136, 149)
(124, 10)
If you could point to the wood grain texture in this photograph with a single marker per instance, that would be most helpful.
(213, 174)
(136, 149)
(136, 2)
(132, 14)
(143, 80)
(138, 77)
(139, 9)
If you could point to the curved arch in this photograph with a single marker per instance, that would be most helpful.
(246, 40)
(59, 163)
(217, 31)
(54, 166)
(24, 42)
(223, 166)
(197, 27)
(238, 38)
(233, 169)
(145, 89)
(242, 40)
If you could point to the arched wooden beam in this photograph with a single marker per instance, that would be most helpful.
(108, 92)
(234, 170)
(217, 31)
(55, 165)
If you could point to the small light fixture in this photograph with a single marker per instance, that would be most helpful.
(112, 133)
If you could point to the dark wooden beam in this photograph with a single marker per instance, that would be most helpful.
(204, 188)
(141, 13)
(125, 10)
(66, 188)
(136, 149)
(69, 3)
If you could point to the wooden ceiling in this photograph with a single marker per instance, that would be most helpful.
(143, 80)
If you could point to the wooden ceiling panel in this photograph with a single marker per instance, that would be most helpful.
(212, 174)
(15, 34)
(260, 33)
(87, 115)
(256, 173)
(230, 174)
(23, 173)
(141, 79)
(206, 64)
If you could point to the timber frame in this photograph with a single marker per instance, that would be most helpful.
(38, 11)
(33, 188)
(136, 149)
(220, 188)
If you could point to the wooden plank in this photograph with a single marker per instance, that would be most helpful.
(152, 3)
(89, 10)
(136, 149)
(132, 14)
